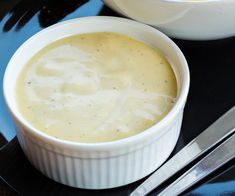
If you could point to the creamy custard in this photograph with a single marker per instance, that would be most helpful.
(96, 87)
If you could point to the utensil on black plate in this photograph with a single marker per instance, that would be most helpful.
(215, 133)
(214, 160)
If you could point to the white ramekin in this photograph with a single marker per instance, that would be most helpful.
(184, 19)
(108, 164)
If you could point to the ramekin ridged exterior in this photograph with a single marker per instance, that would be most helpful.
(105, 169)
(107, 164)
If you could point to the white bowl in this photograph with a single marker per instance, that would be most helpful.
(108, 164)
(185, 19)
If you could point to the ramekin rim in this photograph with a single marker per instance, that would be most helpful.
(181, 98)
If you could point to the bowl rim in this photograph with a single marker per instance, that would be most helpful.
(181, 98)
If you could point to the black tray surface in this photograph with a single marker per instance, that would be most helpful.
(212, 93)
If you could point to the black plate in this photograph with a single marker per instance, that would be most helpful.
(212, 93)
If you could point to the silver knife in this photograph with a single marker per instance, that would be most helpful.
(218, 157)
(220, 129)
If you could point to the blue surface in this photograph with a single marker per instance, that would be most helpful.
(6, 39)
(216, 189)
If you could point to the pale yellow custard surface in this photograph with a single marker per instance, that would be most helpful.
(95, 87)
